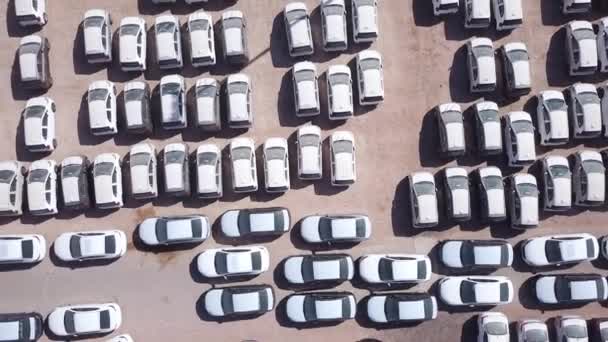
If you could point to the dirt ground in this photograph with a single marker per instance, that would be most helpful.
(160, 292)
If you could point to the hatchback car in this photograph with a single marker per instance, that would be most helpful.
(39, 124)
(473, 255)
(234, 37)
(90, 245)
(451, 129)
(571, 328)
(235, 261)
(602, 44)
(508, 14)
(491, 194)
(201, 39)
(552, 118)
(297, 27)
(401, 307)
(519, 139)
(423, 200)
(456, 190)
(516, 64)
(31, 12)
(523, 201)
(176, 169)
(476, 290)
(107, 181)
(531, 330)
(207, 102)
(575, 6)
(84, 320)
(305, 89)
(22, 327)
(308, 142)
(364, 14)
(12, 179)
(171, 230)
(569, 289)
(581, 47)
(132, 43)
(138, 118)
(42, 187)
(589, 179)
(342, 152)
(333, 24)
(239, 301)
(321, 307)
(173, 102)
(481, 64)
(493, 326)
(21, 249)
(442, 7)
(488, 128)
(335, 228)
(244, 171)
(339, 92)
(74, 177)
(276, 165)
(101, 99)
(394, 268)
(168, 42)
(209, 183)
(477, 13)
(239, 101)
(585, 110)
(557, 183)
(370, 77)
(318, 269)
(243, 223)
(34, 68)
(97, 27)
(142, 171)
(560, 249)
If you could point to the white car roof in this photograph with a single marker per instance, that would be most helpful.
(238, 78)
(513, 9)
(24, 7)
(422, 176)
(481, 8)
(489, 171)
(579, 87)
(450, 106)
(339, 68)
(519, 115)
(552, 160)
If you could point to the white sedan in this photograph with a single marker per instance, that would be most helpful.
(89, 245)
(39, 124)
(585, 110)
(394, 268)
(236, 261)
(201, 39)
(335, 228)
(401, 307)
(142, 171)
(309, 143)
(42, 187)
(101, 99)
(107, 181)
(318, 269)
(370, 77)
(155, 231)
(305, 89)
(244, 171)
(245, 223)
(343, 158)
(581, 47)
(22, 248)
(476, 290)
(552, 118)
(209, 182)
(86, 319)
(132, 43)
(318, 307)
(11, 187)
(339, 92)
(276, 165)
(493, 326)
(239, 301)
(476, 254)
(519, 139)
(560, 249)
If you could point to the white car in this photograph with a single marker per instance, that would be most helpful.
(519, 139)
(22, 249)
(276, 165)
(132, 43)
(239, 101)
(335, 228)
(441, 7)
(571, 328)
(90, 245)
(173, 102)
(589, 179)
(401, 307)
(491, 194)
(101, 99)
(305, 89)
(30, 12)
(142, 171)
(243, 223)
(365, 20)
(319, 307)
(508, 14)
(170, 230)
(201, 39)
(493, 326)
(97, 27)
(560, 249)
(488, 128)
(209, 182)
(570, 289)
(83, 320)
(107, 181)
(234, 37)
(333, 23)
(602, 44)
(318, 269)
(477, 13)
(585, 110)
(297, 27)
(207, 102)
(523, 201)
(176, 169)
(34, 66)
(235, 261)
(557, 181)
(394, 268)
(370, 77)
(22, 327)
(532, 330)
(450, 125)
(309, 144)
(342, 151)
(575, 6)
(472, 255)
(456, 190)
(74, 178)
(481, 64)
(339, 92)
(239, 301)
(552, 118)
(581, 46)
(423, 200)
(476, 290)
(168, 42)
(42, 187)
(244, 170)
(137, 111)
(39, 124)
(516, 67)
(12, 179)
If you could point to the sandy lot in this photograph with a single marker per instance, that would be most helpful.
(159, 291)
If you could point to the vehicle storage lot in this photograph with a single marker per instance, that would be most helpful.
(424, 64)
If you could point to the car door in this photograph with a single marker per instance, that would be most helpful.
(13, 191)
(140, 43)
(45, 125)
(104, 34)
(114, 183)
(151, 169)
(47, 190)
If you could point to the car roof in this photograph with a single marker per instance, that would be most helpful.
(32, 38)
(172, 79)
(95, 13)
(518, 116)
(238, 78)
(309, 129)
(207, 148)
(338, 68)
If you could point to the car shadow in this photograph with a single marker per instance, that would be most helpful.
(428, 141)
(286, 105)
(401, 217)
(278, 43)
(79, 60)
(85, 137)
(469, 330)
(18, 267)
(423, 13)
(459, 78)
(323, 187)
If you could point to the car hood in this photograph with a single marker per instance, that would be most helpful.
(521, 70)
(375, 308)
(534, 251)
(306, 94)
(206, 179)
(206, 263)
(35, 196)
(450, 254)
(230, 223)
(71, 190)
(103, 189)
(139, 179)
(428, 209)
(310, 160)
(213, 302)
(309, 228)
(147, 231)
(165, 48)
(496, 202)
(176, 180)
(276, 173)
(368, 268)
(33, 131)
(97, 114)
(295, 308)
(341, 101)
(449, 290)
(92, 40)
(493, 135)
(244, 176)
(293, 270)
(545, 289)
(335, 33)
(128, 48)
(238, 107)
(372, 79)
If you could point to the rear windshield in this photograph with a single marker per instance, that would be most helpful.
(70, 171)
(6, 176)
(496, 328)
(29, 48)
(424, 188)
(233, 23)
(593, 166)
(493, 182)
(588, 98)
(295, 16)
(129, 30)
(517, 55)
(583, 33)
(333, 10)
(140, 159)
(560, 171)
(241, 153)
(207, 158)
(98, 94)
(522, 126)
(305, 75)
(199, 25)
(369, 63)
(343, 146)
(165, 27)
(341, 78)
(171, 89)
(134, 95)
(174, 157)
(93, 22)
(309, 140)
(527, 190)
(237, 88)
(206, 91)
(488, 115)
(103, 169)
(34, 112)
(275, 153)
(556, 104)
(451, 116)
(38, 175)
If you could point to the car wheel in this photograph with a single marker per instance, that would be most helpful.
(45, 17)
(53, 107)
(54, 143)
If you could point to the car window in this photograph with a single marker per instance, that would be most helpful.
(37, 176)
(174, 157)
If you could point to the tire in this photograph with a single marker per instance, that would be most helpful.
(54, 143)
(54, 107)
(45, 17)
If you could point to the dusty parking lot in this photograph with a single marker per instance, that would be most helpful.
(159, 292)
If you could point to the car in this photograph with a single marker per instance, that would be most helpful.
(480, 62)
(532, 330)
(557, 183)
(451, 129)
(12, 179)
(335, 228)
(244, 170)
(441, 7)
(209, 182)
(107, 181)
(599, 327)
(42, 187)
(602, 46)
(488, 128)
(171, 230)
(585, 110)
(22, 327)
(320, 307)
(523, 201)
(132, 44)
(101, 100)
(519, 139)
(242, 223)
(570, 289)
(173, 102)
(85, 319)
(318, 269)
(456, 190)
(97, 28)
(401, 307)
(142, 171)
(491, 194)
(476, 291)
(276, 165)
(394, 268)
(493, 326)
(121, 338)
(552, 118)
(508, 14)
(234, 261)
(207, 103)
(560, 249)
(342, 152)
(39, 124)
(310, 160)
(339, 92)
(34, 68)
(239, 301)
(333, 24)
(168, 42)
(234, 37)
(31, 12)
(364, 14)
(571, 328)
(305, 89)
(137, 107)
(575, 6)
(423, 200)
(581, 47)
(176, 169)
(90, 245)
(473, 255)
(516, 65)
(21, 249)
(370, 77)
(477, 13)
(74, 178)
(297, 28)
(239, 100)
(589, 179)
(201, 39)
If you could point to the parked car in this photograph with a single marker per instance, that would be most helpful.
(491, 194)
(142, 171)
(171, 230)
(475, 291)
(39, 124)
(557, 183)
(487, 128)
(480, 61)
(571, 328)
(239, 99)
(575, 6)
(42, 187)
(22, 327)
(137, 107)
(34, 68)
(101, 99)
(207, 92)
(599, 327)
(243, 223)
(451, 129)
(305, 89)
(84, 320)
(423, 200)
(477, 13)
(493, 326)
(97, 28)
(318, 269)
(107, 181)
(176, 169)
(239, 301)
(168, 42)
(585, 110)
(21, 249)
(552, 118)
(173, 102)
(132, 43)
(531, 330)
(441, 7)
(401, 307)
(519, 139)
(473, 255)
(333, 24)
(209, 183)
(201, 39)
(523, 201)
(560, 249)
(90, 245)
(508, 14)
(12, 178)
(339, 92)
(343, 160)
(516, 64)
(364, 14)
(244, 171)
(309, 152)
(394, 268)
(31, 12)
(456, 190)
(581, 47)
(234, 261)
(370, 77)
(569, 289)
(297, 28)
(234, 37)
(319, 307)
(75, 183)
(276, 165)
(335, 228)
(602, 44)
(589, 179)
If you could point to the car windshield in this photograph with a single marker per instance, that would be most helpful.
(171, 89)
(140, 159)
(496, 328)
(536, 335)
(451, 116)
(333, 10)
(424, 188)
(174, 157)
(232, 23)
(166, 27)
(68, 322)
(296, 15)
(583, 33)
(593, 166)
(275, 153)
(488, 115)
(29, 48)
(98, 94)
(458, 182)
(588, 98)
(206, 91)
(483, 51)
(305, 75)
(575, 331)
(34, 112)
(369, 63)
(129, 30)
(339, 78)
(493, 182)
(93, 22)
(221, 262)
(237, 88)
(556, 104)
(560, 171)
(75, 246)
(552, 251)
(241, 153)
(309, 140)
(467, 291)
(343, 146)
(527, 190)
(385, 269)
(38, 175)
(72, 170)
(517, 55)
(199, 25)
(207, 158)
(134, 95)
(103, 169)
(6, 176)
(522, 126)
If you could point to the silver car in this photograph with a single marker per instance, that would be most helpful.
(34, 66)
(173, 102)
(176, 169)
(297, 26)
(12, 179)
(142, 171)
(589, 179)
(201, 39)
(97, 27)
(42, 187)
(209, 183)
(168, 42)
(333, 23)
(207, 103)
